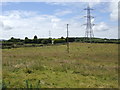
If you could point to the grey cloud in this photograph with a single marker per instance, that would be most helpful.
(1, 24)
(5, 27)
(102, 30)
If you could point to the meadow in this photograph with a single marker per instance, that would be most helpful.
(88, 65)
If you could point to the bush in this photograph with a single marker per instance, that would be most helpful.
(26, 41)
(45, 41)
(59, 41)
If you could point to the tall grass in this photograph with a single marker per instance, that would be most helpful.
(86, 66)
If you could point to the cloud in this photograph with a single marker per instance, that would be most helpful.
(1, 24)
(7, 28)
(20, 24)
(113, 7)
(4, 27)
(111, 33)
(102, 26)
(55, 22)
(57, 3)
(77, 4)
(93, 4)
(92, 20)
(19, 13)
(62, 13)
(16, 24)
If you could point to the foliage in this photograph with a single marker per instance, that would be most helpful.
(59, 41)
(35, 40)
(45, 41)
(14, 42)
(35, 37)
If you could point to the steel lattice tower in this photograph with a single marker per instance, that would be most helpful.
(89, 25)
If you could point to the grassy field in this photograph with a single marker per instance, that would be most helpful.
(86, 66)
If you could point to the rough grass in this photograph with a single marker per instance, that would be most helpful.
(86, 66)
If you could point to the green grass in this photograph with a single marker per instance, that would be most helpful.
(86, 66)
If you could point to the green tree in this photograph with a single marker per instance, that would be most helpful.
(62, 38)
(35, 37)
(35, 40)
(11, 39)
(27, 40)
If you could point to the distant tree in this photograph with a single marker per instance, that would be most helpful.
(62, 38)
(35, 37)
(50, 38)
(12, 37)
(35, 40)
(27, 40)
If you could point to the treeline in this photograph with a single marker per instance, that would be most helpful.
(94, 40)
(36, 42)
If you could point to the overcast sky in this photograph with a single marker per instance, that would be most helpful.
(26, 19)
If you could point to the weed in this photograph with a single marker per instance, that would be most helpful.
(87, 65)
(30, 85)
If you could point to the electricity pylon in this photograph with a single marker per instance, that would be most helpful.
(89, 31)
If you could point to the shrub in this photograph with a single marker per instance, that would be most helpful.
(45, 41)
(59, 41)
